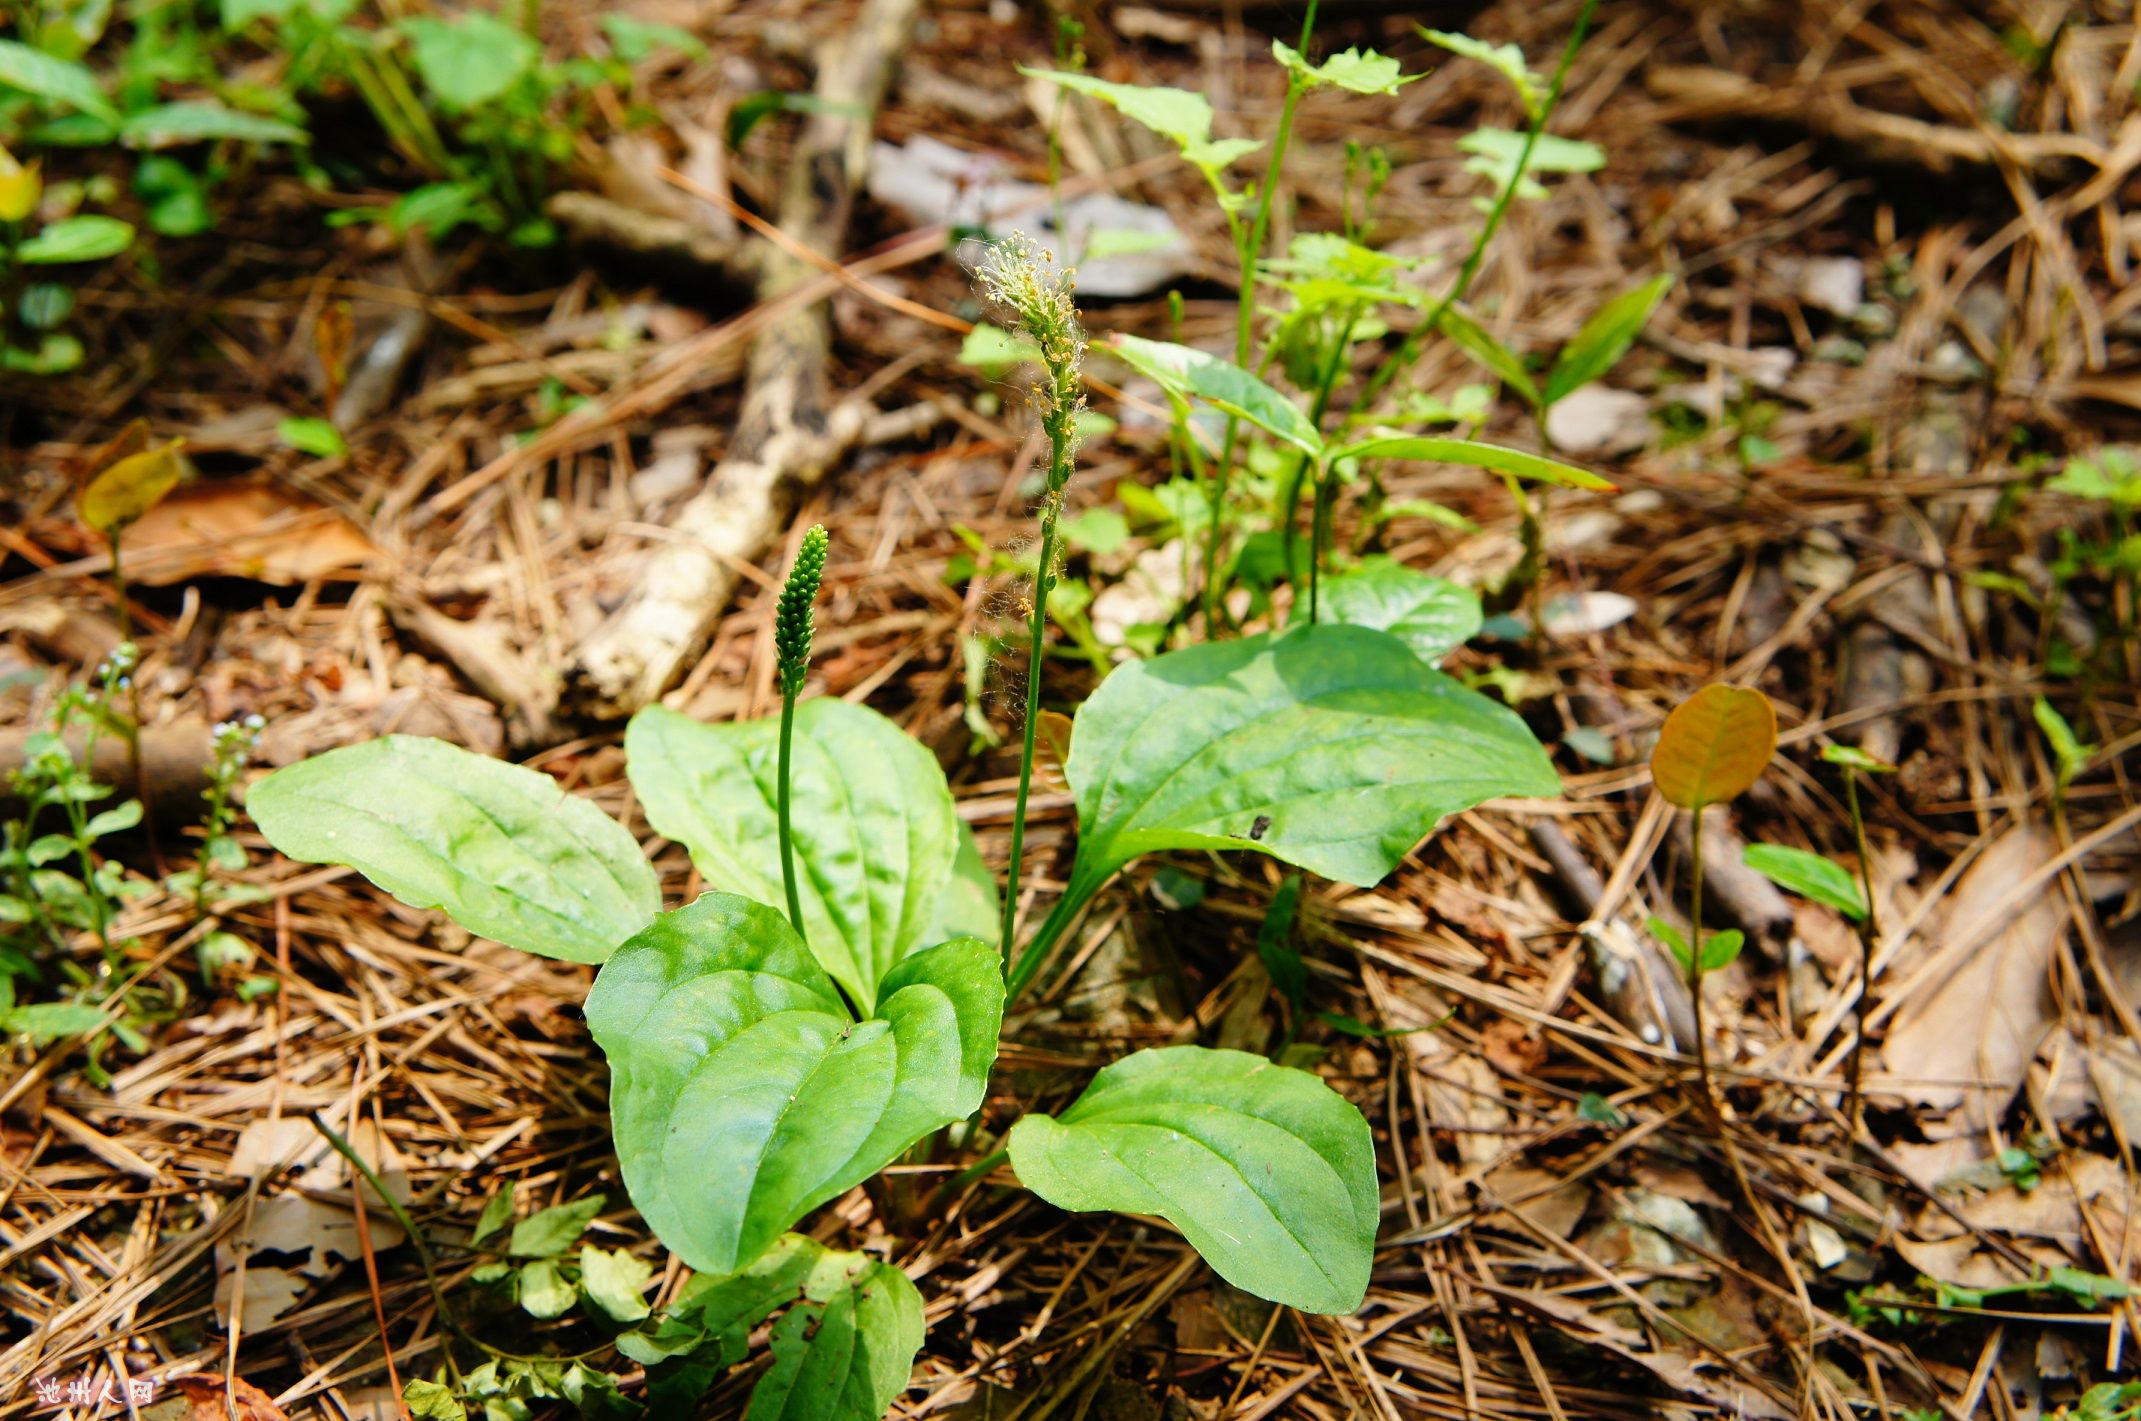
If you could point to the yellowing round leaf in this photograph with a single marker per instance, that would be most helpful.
(131, 487)
(1713, 746)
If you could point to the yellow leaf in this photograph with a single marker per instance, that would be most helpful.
(1713, 746)
(20, 187)
(131, 487)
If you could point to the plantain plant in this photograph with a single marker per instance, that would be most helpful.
(761, 1065)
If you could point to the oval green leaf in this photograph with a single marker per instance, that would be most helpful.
(1432, 615)
(1605, 338)
(1808, 875)
(56, 80)
(1192, 374)
(744, 1094)
(1330, 747)
(876, 836)
(1268, 1172)
(1472, 453)
(86, 238)
(1713, 746)
(501, 849)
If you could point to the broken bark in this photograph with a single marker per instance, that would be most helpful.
(786, 438)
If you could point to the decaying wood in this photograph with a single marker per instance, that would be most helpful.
(175, 761)
(787, 437)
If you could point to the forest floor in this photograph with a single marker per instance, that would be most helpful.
(1894, 323)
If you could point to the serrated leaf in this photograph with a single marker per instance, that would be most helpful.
(501, 849)
(615, 1281)
(1432, 615)
(744, 1095)
(1713, 746)
(1329, 747)
(544, 1293)
(89, 237)
(1601, 342)
(169, 125)
(1808, 875)
(469, 61)
(1473, 453)
(549, 1232)
(1472, 338)
(1192, 374)
(125, 490)
(49, 77)
(1267, 1171)
(876, 835)
(1362, 71)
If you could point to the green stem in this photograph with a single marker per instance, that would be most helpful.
(1702, 1047)
(1043, 582)
(787, 833)
(1869, 933)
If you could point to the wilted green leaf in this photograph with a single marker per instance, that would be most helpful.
(501, 849)
(1267, 1171)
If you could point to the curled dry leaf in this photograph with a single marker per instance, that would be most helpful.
(255, 531)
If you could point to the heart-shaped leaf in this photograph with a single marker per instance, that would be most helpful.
(1330, 747)
(1432, 615)
(876, 836)
(1192, 374)
(743, 1092)
(1267, 1171)
(1808, 875)
(501, 849)
(1517, 463)
(1713, 746)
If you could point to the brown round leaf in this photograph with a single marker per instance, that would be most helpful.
(1713, 746)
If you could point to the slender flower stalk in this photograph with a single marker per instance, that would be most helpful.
(792, 628)
(1039, 294)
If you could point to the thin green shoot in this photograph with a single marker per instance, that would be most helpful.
(792, 631)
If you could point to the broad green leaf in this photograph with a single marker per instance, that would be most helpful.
(470, 61)
(1431, 615)
(1362, 71)
(125, 490)
(1329, 747)
(1189, 373)
(501, 849)
(743, 1094)
(48, 1021)
(615, 1281)
(1472, 338)
(51, 78)
(1720, 950)
(875, 832)
(1504, 59)
(1810, 876)
(1605, 338)
(1176, 114)
(1267, 1171)
(1713, 746)
(88, 237)
(846, 1350)
(970, 905)
(544, 1293)
(549, 1232)
(169, 125)
(1472, 453)
(1495, 152)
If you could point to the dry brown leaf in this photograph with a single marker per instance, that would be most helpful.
(249, 530)
(1983, 1020)
(205, 1398)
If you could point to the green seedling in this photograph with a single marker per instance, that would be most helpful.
(2069, 754)
(33, 310)
(2111, 480)
(1711, 748)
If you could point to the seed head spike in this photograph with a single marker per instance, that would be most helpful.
(792, 617)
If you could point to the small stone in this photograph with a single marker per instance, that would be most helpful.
(1833, 284)
(1598, 420)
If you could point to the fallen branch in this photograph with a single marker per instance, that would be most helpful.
(786, 438)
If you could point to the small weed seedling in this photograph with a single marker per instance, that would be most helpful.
(761, 1065)
(33, 309)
